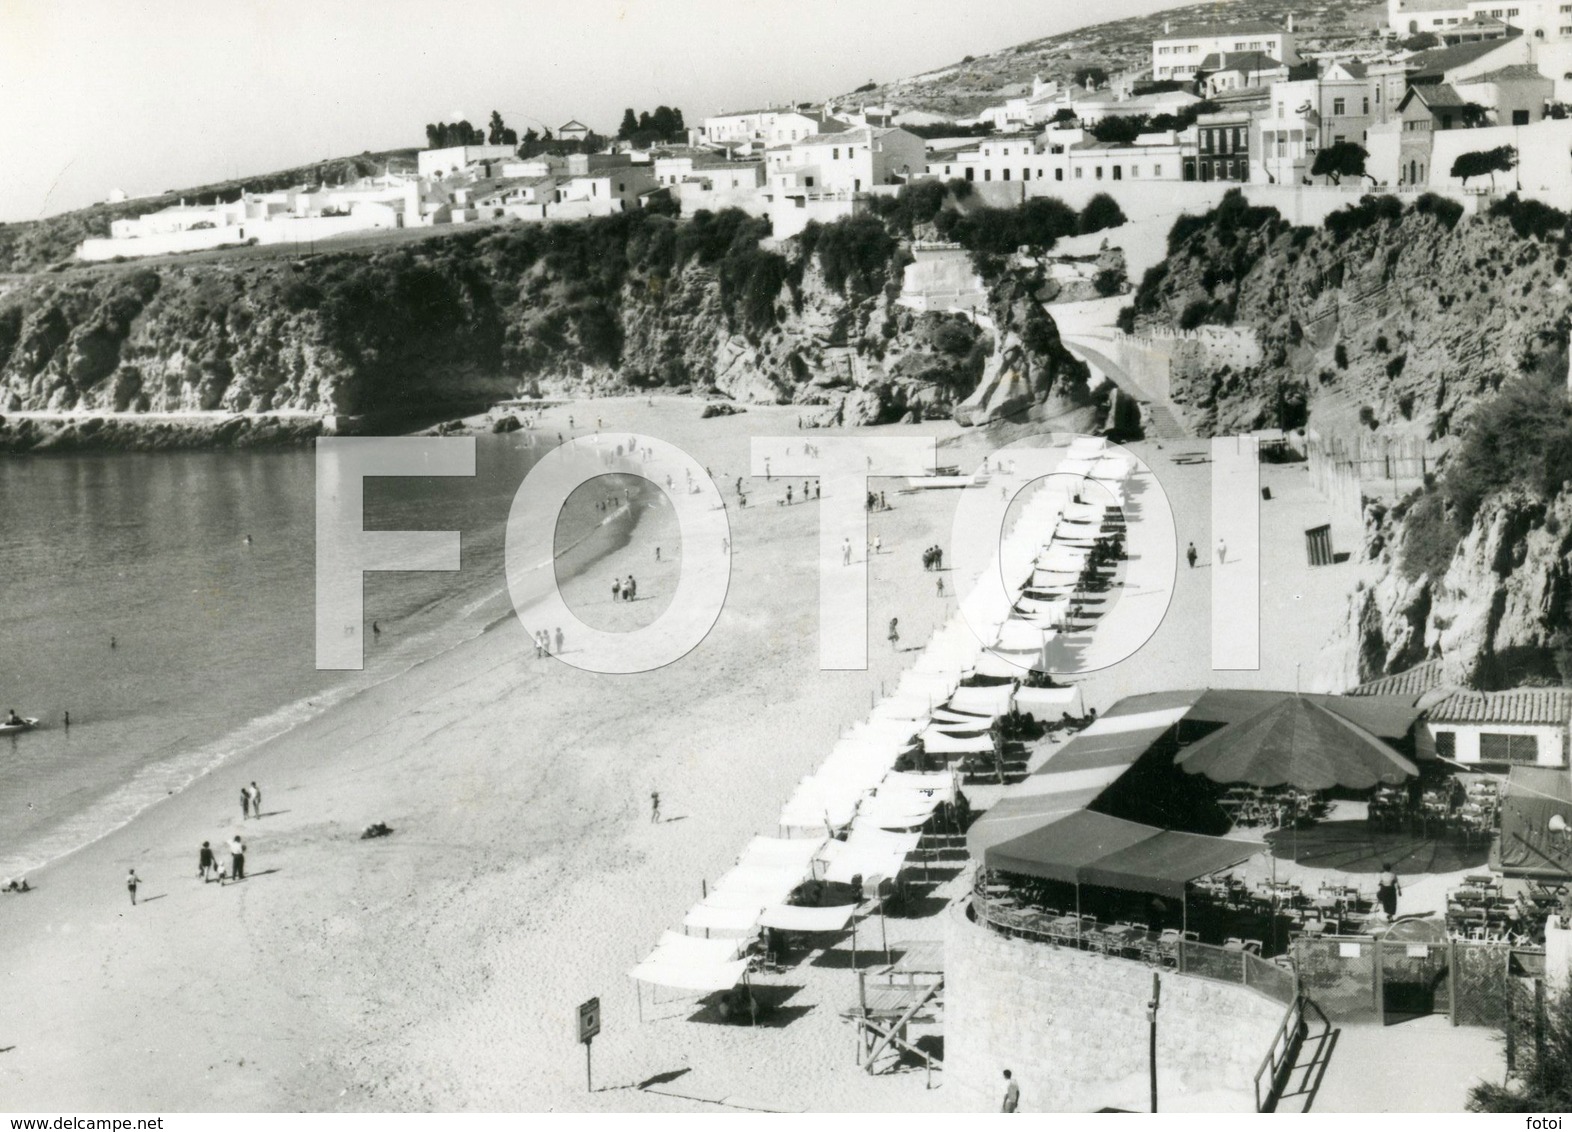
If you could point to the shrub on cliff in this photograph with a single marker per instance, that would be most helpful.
(1101, 212)
(854, 254)
(1530, 217)
(1444, 209)
(1369, 212)
(1521, 437)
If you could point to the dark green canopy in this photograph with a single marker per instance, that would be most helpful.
(1298, 742)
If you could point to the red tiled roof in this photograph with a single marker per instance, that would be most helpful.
(1520, 705)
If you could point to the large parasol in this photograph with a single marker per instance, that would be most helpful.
(1297, 742)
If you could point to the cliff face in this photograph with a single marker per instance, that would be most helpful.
(628, 303)
(1394, 319)
(1496, 617)
(1410, 322)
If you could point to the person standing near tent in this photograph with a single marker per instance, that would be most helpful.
(1387, 890)
(1012, 1094)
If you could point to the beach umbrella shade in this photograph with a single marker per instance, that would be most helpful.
(1297, 742)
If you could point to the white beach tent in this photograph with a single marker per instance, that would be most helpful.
(1048, 705)
(1016, 635)
(869, 853)
(937, 742)
(791, 918)
(820, 804)
(1007, 664)
(689, 963)
(992, 701)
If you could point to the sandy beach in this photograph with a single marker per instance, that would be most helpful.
(440, 968)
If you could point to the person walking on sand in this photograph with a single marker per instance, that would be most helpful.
(1222, 551)
(205, 862)
(237, 858)
(256, 800)
(846, 552)
(559, 640)
(1190, 554)
(132, 880)
(940, 580)
(616, 588)
(654, 807)
(895, 633)
(245, 802)
(1012, 1094)
(630, 588)
(657, 554)
(1387, 890)
(878, 545)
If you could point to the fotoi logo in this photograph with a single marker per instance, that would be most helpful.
(1028, 520)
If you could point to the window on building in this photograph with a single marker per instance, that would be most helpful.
(1495, 747)
(835, 154)
(1446, 744)
(1157, 170)
(987, 174)
(1079, 169)
(1099, 172)
(1339, 106)
(1366, 109)
(971, 173)
(1339, 139)
(1520, 117)
(1446, 121)
(1118, 172)
(1026, 174)
(1058, 174)
(1006, 175)
(808, 182)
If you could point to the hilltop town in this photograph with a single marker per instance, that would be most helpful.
(1439, 98)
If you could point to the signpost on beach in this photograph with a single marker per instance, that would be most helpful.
(589, 1026)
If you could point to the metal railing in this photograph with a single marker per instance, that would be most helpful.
(1184, 956)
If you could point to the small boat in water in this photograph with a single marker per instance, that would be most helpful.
(25, 724)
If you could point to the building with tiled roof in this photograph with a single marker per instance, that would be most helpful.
(1415, 682)
(1519, 727)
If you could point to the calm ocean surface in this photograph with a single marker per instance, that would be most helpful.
(214, 647)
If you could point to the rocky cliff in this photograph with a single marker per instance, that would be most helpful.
(428, 329)
(1391, 318)
(1416, 322)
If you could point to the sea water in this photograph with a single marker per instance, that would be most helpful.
(166, 601)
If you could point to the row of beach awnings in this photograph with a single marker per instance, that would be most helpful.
(856, 789)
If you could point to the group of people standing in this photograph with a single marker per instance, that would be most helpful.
(543, 642)
(933, 558)
(210, 866)
(624, 589)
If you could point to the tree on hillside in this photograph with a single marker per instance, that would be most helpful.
(496, 126)
(630, 125)
(1120, 129)
(866, 87)
(1064, 114)
(1093, 76)
(1339, 160)
(1480, 162)
(1421, 41)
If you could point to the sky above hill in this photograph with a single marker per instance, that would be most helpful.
(97, 95)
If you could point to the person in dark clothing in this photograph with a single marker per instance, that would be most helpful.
(1387, 890)
(205, 863)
